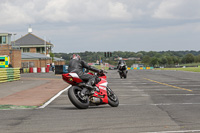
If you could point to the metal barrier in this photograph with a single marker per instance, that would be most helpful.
(140, 68)
(9, 74)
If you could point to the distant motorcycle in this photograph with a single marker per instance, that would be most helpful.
(122, 71)
(102, 95)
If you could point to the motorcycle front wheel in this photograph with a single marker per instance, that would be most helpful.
(112, 98)
(120, 74)
(76, 99)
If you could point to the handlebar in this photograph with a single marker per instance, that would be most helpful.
(100, 74)
(105, 71)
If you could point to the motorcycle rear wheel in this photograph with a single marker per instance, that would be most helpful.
(76, 100)
(125, 74)
(112, 98)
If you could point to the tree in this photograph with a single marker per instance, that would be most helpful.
(139, 55)
(170, 60)
(183, 60)
(189, 58)
(151, 53)
(146, 60)
(52, 55)
(163, 61)
(175, 59)
(154, 61)
(197, 58)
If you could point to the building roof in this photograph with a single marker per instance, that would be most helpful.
(31, 40)
(5, 34)
(34, 56)
(58, 59)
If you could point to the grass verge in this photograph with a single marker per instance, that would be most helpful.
(190, 69)
(101, 67)
(16, 107)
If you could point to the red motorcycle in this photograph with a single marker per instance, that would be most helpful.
(101, 95)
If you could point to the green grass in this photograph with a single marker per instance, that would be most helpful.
(100, 67)
(16, 107)
(191, 64)
(190, 69)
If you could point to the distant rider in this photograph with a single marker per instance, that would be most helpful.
(77, 65)
(121, 62)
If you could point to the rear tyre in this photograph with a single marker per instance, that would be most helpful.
(112, 98)
(125, 74)
(76, 99)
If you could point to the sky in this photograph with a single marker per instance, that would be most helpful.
(106, 25)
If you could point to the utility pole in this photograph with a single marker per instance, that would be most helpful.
(45, 45)
(14, 38)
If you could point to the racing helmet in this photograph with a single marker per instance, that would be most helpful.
(76, 57)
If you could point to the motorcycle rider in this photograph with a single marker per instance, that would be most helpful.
(77, 65)
(121, 62)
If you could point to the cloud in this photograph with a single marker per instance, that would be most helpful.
(84, 10)
(12, 14)
(85, 24)
(118, 11)
(78, 11)
(178, 9)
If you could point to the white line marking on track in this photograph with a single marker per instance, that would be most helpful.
(182, 131)
(53, 98)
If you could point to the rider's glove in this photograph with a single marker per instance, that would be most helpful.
(100, 71)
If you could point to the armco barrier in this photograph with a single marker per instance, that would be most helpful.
(140, 68)
(9, 74)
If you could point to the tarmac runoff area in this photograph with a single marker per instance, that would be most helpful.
(32, 91)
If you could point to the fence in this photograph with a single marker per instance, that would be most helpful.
(9, 74)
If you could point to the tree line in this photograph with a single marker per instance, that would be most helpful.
(151, 58)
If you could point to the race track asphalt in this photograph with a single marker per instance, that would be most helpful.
(150, 101)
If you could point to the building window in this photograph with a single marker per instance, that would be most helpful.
(26, 50)
(2, 39)
(43, 50)
(38, 50)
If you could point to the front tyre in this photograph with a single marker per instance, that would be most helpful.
(76, 100)
(120, 74)
(112, 98)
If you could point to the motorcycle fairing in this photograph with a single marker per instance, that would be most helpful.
(74, 75)
(71, 78)
(103, 93)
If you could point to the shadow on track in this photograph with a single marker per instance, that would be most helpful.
(74, 108)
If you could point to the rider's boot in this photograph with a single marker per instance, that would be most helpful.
(90, 87)
(90, 84)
